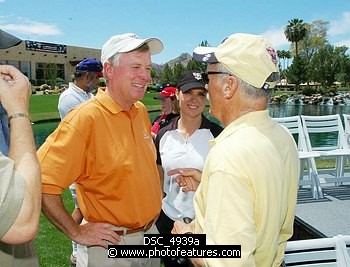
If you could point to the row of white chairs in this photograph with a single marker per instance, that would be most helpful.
(329, 251)
(309, 132)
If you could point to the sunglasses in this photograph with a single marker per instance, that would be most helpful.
(205, 76)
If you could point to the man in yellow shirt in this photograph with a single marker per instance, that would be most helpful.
(248, 188)
(105, 146)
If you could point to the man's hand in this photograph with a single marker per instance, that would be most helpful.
(188, 178)
(87, 233)
(97, 234)
(14, 90)
(181, 227)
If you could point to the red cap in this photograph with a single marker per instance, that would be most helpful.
(166, 92)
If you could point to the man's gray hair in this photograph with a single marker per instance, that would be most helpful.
(114, 60)
(248, 89)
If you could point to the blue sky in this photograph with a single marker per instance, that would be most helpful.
(180, 24)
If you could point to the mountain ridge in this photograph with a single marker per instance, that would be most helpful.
(183, 59)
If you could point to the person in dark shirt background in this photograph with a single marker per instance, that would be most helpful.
(170, 109)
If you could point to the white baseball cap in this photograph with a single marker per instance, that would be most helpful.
(128, 42)
(250, 57)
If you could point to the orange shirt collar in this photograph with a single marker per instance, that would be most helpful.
(106, 101)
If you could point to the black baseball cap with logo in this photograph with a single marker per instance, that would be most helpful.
(191, 79)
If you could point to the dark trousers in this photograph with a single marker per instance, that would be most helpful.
(165, 225)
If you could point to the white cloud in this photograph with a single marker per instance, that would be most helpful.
(29, 27)
(276, 37)
(341, 26)
(2, 1)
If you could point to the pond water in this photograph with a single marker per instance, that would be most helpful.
(42, 130)
(311, 110)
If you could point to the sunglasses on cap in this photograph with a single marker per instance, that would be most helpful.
(205, 75)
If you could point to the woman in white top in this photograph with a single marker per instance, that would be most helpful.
(184, 143)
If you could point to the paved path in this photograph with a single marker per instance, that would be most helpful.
(330, 216)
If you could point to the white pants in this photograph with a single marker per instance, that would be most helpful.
(97, 256)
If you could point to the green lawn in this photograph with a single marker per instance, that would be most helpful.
(52, 247)
(44, 107)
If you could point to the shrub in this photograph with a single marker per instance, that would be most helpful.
(152, 88)
(333, 90)
(59, 81)
(44, 87)
(40, 81)
(102, 82)
(308, 91)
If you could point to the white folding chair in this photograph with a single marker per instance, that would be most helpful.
(310, 176)
(315, 252)
(317, 129)
(346, 247)
(346, 118)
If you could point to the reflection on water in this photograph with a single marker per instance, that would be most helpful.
(42, 130)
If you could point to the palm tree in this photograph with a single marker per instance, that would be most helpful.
(295, 31)
(282, 55)
(204, 43)
(288, 56)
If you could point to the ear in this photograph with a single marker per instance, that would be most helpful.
(230, 87)
(87, 77)
(108, 70)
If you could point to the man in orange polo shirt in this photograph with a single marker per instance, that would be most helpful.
(105, 146)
